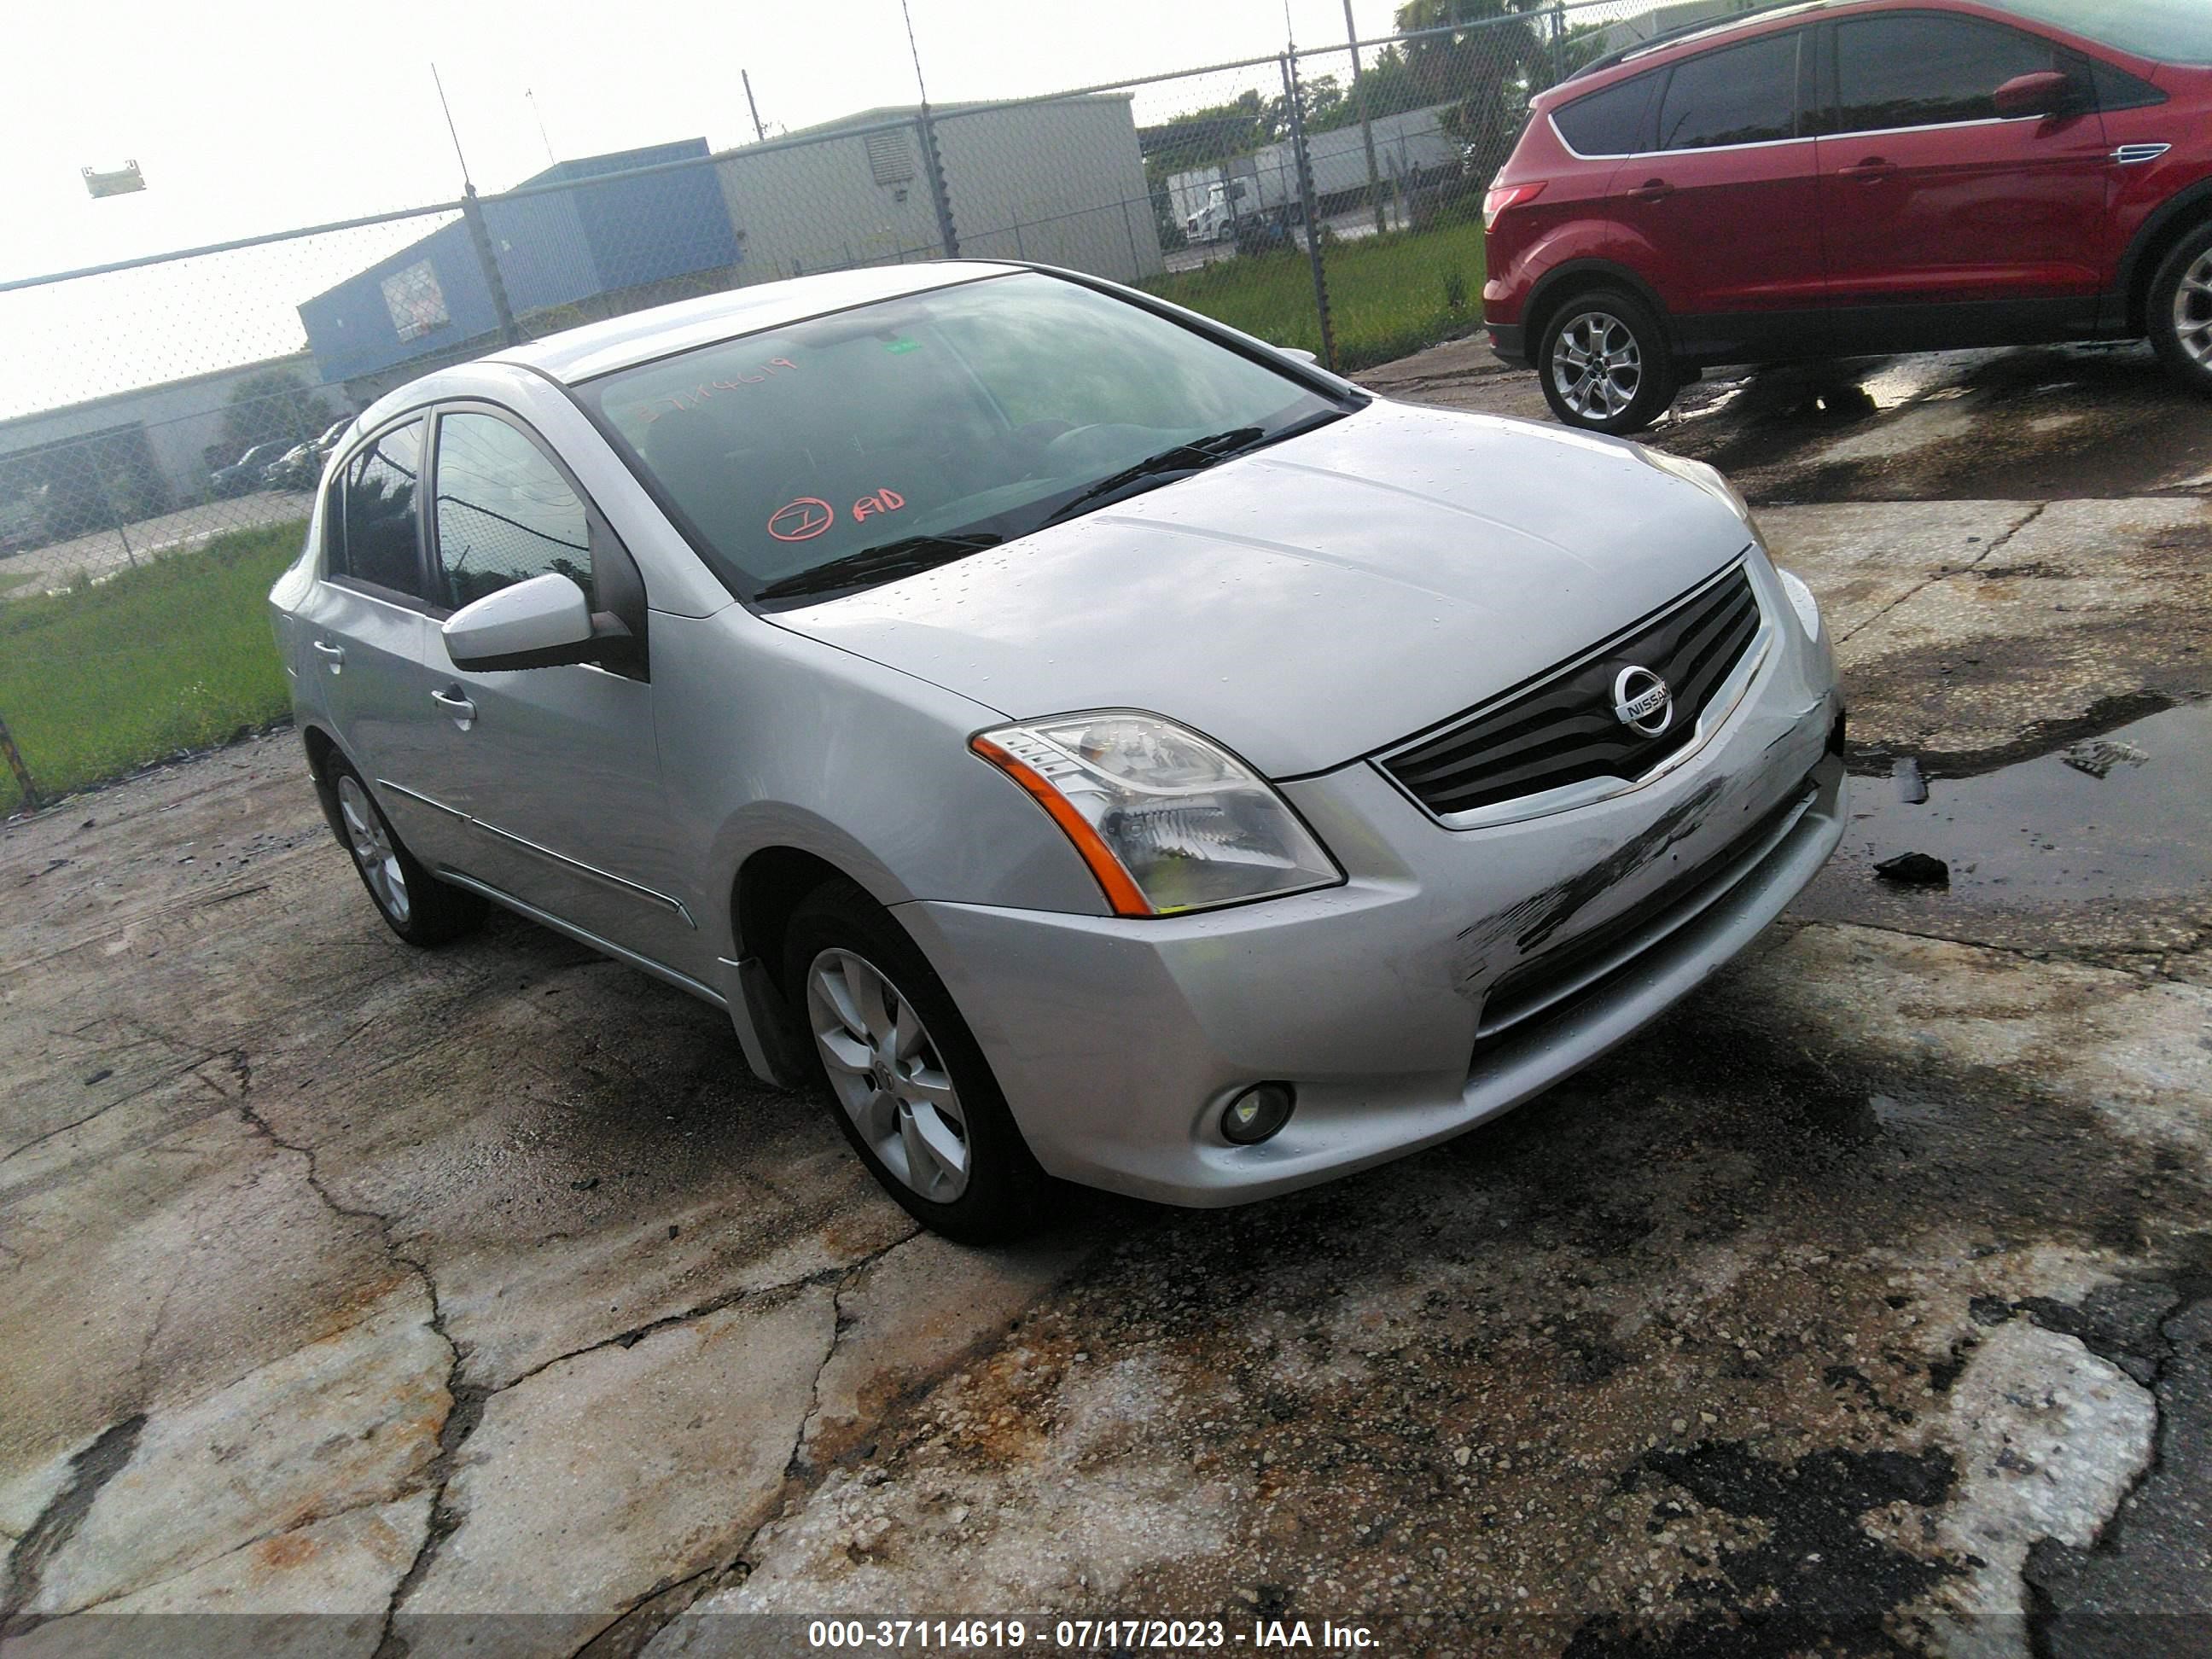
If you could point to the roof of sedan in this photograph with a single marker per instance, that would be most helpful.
(579, 354)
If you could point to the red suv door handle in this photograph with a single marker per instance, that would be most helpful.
(1871, 171)
(1653, 190)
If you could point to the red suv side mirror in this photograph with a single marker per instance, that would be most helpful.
(2045, 91)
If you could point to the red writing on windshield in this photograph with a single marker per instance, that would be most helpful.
(801, 520)
(883, 501)
(677, 403)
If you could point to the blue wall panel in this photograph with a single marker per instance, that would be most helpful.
(553, 249)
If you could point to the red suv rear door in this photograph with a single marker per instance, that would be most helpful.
(1929, 198)
(1724, 201)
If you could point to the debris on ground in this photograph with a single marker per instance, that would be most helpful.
(2098, 758)
(1914, 870)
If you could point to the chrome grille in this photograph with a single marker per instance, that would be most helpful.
(1560, 729)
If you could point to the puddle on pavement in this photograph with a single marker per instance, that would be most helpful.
(2128, 815)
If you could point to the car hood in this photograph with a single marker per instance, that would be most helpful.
(1316, 600)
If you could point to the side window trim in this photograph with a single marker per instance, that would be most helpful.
(334, 519)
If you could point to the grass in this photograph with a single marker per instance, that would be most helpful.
(15, 579)
(1387, 295)
(174, 655)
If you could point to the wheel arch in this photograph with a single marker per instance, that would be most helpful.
(321, 745)
(2185, 211)
(769, 887)
(1577, 277)
(769, 883)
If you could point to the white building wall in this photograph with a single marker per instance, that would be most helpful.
(1045, 182)
(1060, 183)
(182, 419)
(798, 208)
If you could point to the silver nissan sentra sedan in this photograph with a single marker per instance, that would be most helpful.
(1083, 741)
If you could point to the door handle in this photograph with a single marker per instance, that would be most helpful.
(1653, 190)
(459, 708)
(1871, 171)
(334, 653)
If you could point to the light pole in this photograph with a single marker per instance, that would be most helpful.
(1366, 125)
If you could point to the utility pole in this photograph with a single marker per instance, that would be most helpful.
(1366, 125)
(932, 157)
(532, 99)
(510, 332)
(760, 132)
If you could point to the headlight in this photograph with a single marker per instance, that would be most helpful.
(1803, 602)
(1167, 821)
(1711, 480)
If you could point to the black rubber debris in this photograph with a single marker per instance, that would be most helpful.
(1914, 870)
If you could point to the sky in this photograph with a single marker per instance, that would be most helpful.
(252, 116)
(255, 117)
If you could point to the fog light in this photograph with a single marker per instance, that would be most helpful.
(1258, 1113)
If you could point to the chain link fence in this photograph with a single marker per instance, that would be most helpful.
(165, 422)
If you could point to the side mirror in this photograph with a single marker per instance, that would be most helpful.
(540, 623)
(1300, 352)
(2045, 91)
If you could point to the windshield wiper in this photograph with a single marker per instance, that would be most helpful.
(1192, 457)
(903, 557)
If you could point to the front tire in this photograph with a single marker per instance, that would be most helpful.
(2180, 310)
(1605, 365)
(414, 904)
(909, 1085)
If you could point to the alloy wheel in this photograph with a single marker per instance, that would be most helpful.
(2192, 311)
(888, 1075)
(1597, 368)
(373, 850)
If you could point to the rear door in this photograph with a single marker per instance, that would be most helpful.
(366, 623)
(1724, 196)
(557, 768)
(1931, 200)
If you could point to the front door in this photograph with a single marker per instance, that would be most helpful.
(557, 768)
(1930, 199)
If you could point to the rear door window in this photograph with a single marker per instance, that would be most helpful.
(504, 513)
(1929, 69)
(1744, 94)
(374, 534)
(1608, 122)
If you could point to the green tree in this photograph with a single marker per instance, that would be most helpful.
(271, 407)
(1486, 59)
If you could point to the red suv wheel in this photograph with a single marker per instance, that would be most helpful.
(2180, 310)
(1604, 363)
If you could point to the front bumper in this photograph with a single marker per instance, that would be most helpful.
(1405, 1006)
(1509, 342)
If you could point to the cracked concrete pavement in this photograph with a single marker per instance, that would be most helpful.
(481, 1296)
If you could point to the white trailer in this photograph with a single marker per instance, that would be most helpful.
(1410, 147)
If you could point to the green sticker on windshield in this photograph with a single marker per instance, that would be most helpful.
(903, 345)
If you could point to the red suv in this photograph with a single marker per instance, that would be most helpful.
(1835, 179)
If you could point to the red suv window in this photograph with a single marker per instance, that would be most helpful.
(1608, 122)
(1744, 94)
(1925, 69)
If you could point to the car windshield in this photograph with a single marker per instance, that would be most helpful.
(845, 451)
(2165, 31)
